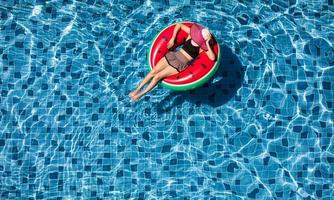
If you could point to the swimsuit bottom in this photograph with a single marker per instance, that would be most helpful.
(177, 60)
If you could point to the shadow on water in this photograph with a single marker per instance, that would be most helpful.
(218, 90)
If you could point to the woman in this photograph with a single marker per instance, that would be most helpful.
(176, 61)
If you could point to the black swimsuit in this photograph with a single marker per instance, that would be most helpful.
(178, 60)
(192, 50)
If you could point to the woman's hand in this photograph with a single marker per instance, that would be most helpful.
(207, 41)
(209, 37)
(170, 43)
(210, 53)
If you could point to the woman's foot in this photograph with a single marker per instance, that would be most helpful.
(135, 97)
(133, 93)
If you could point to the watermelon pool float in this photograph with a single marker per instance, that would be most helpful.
(196, 74)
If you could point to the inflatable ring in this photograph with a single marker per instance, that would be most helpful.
(196, 74)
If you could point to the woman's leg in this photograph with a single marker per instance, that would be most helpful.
(159, 67)
(168, 71)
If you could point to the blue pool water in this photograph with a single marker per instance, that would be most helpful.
(262, 128)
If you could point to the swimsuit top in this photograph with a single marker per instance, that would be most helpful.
(193, 51)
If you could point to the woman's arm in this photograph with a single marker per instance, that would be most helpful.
(170, 43)
(176, 30)
(179, 26)
(210, 53)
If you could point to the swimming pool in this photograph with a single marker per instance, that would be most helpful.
(262, 128)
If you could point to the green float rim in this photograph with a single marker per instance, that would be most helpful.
(188, 86)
